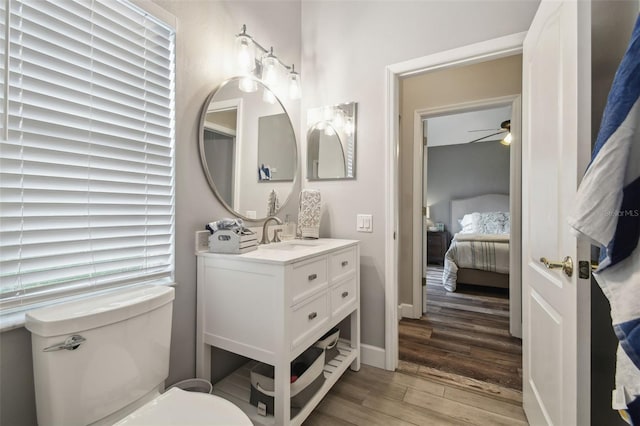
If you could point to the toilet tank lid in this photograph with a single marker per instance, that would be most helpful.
(97, 311)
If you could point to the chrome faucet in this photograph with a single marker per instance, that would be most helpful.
(265, 233)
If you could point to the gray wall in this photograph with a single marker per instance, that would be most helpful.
(346, 46)
(204, 58)
(461, 171)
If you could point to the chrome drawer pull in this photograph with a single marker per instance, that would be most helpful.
(345, 294)
(312, 315)
(313, 277)
(70, 344)
(345, 263)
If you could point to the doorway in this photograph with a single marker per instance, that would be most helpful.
(465, 331)
(473, 54)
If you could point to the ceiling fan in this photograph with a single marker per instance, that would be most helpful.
(505, 127)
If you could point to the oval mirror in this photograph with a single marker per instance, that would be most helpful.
(248, 148)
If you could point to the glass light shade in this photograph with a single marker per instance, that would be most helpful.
(248, 85)
(268, 96)
(270, 70)
(294, 85)
(338, 119)
(246, 54)
(507, 139)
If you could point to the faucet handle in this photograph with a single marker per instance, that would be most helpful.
(276, 236)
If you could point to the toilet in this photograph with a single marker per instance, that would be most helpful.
(103, 361)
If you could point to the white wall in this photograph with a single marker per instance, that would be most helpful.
(346, 46)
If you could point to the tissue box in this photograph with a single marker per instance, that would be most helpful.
(232, 241)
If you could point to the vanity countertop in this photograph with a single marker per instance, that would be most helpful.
(286, 251)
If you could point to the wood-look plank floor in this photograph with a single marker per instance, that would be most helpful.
(465, 333)
(414, 395)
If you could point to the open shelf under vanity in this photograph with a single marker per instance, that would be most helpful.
(236, 387)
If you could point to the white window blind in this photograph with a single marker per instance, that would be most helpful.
(87, 152)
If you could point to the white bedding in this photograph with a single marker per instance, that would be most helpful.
(487, 252)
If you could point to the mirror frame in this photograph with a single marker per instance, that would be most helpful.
(312, 124)
(203, 160)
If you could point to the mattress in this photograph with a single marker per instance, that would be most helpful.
(486, 252)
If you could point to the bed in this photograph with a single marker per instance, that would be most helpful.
(479, 251)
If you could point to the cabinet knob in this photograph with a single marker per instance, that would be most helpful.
(345, 294)
(312, 315)
(313, 277)
(345, 263)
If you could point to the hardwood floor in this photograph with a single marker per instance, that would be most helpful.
(465, 333)
(459, 366)
(414, 395)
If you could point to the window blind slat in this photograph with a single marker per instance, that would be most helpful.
(87, 169)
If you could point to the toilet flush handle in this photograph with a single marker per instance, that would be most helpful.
(70, 344)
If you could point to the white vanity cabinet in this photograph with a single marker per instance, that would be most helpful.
(272, 304)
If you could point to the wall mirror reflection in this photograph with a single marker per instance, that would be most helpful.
(247, 148)
(331, 142)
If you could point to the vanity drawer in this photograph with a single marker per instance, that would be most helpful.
(309, 317)
(343, 296)
(342, 263)
(309, 277)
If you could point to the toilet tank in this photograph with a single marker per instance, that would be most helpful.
(124, 357)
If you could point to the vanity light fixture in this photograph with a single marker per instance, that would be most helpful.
(263, 65)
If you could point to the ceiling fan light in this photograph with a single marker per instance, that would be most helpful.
(507, 139)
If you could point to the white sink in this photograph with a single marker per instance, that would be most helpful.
(290, 245)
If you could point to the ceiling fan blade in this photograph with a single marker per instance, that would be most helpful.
(483, 130)
(488, 136)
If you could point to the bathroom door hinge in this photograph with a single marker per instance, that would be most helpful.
(394, 235)
(424, 211)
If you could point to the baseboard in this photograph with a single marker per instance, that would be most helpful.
(405, 311)
(372, 355)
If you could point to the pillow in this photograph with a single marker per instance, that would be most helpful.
(470, 223)
(485, 223)
(494, 222)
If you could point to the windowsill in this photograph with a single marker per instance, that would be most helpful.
(15, 320)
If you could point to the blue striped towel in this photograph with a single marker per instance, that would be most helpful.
(608, 212)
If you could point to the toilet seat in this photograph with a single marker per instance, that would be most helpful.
(177, 407)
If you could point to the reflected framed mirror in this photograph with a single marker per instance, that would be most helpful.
(247, 147)
(331, 142)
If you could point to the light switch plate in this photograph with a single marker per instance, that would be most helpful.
(364, 223)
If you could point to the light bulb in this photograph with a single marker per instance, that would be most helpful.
(507, 139)
(248, 85)
(294, 84)
(246, 54)
(270, 70)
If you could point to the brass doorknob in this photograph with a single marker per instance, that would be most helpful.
(566, 265)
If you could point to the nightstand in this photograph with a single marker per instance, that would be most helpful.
(437, 245)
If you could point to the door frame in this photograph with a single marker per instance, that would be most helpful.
(479, 52)
(515, 199)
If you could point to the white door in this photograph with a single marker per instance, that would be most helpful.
(556, 148)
